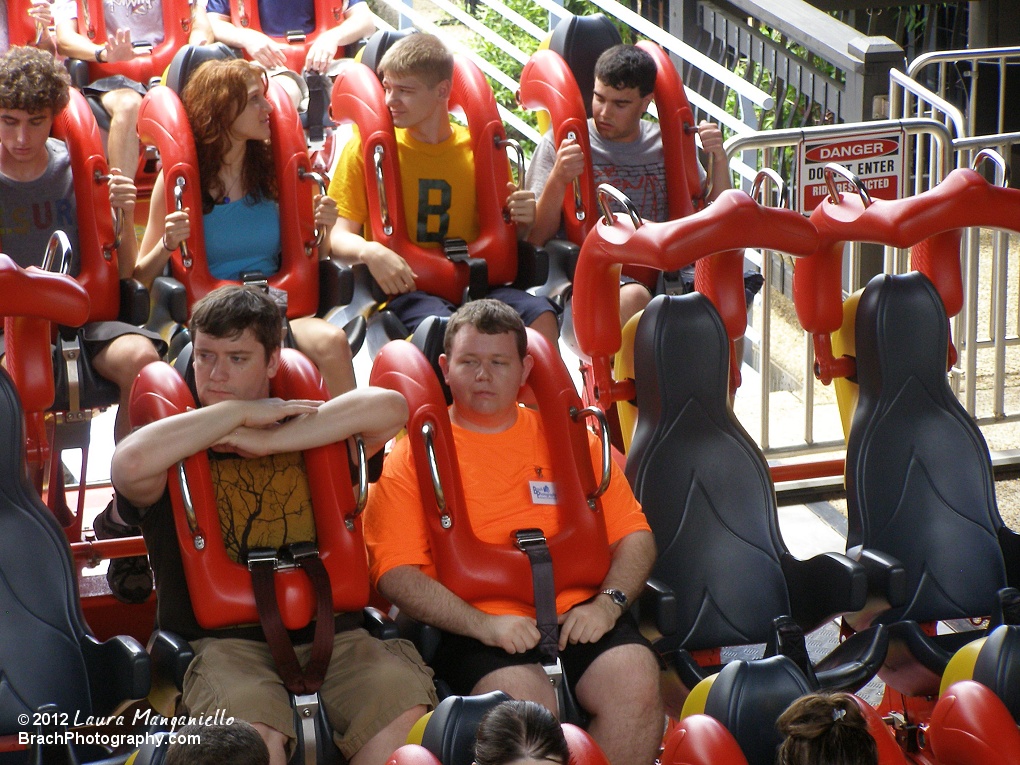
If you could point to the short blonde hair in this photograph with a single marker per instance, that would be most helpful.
(418, 55)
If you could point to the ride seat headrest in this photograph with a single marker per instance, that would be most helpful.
(428, 338)
(580, 40)
(187, 60)
(450, 733)
(379, 43)
(748, 697)
(998, 666)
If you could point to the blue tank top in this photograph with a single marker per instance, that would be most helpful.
(242, 236)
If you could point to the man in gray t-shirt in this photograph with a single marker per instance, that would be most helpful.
(626, 153)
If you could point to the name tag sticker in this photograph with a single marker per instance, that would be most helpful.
(543, 492)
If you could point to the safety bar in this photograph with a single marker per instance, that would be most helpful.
(607, 457)
(428, 433)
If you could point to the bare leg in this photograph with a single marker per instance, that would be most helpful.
(120, 362)
(377, 750)
(525, 682)
(620, 691)
(547, 325)
(633, 298)
(122, 144)
(327, 347)
(276, 742)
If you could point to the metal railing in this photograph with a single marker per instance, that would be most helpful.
(802, 398)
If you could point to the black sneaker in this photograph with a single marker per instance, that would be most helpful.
(130, 579)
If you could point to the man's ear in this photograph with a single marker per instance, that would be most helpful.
(646, 101)
(444, 88)
(273, 364)
(528, 362)
(444, 366)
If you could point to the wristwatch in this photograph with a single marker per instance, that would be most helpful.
(619, 597)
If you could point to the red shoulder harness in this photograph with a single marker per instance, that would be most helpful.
(467, 566)
(160, 392)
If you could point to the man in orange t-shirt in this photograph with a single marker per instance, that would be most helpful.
(491, 643)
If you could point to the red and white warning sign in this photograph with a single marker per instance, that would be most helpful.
(876, 158)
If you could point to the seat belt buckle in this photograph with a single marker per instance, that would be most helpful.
(554, 672)
(528, 538)
(295, 552)
(258, 556)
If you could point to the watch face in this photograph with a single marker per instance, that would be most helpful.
(618, 598)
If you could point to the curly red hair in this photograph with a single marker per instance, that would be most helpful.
(213, 98)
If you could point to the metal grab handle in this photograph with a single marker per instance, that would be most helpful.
(58, 243)
(505, 143)
(607, 457)
(189, 507)
(604, 192)
(579, 212)
(384, 207)
(362, 497)
(1001, 168)
(319, 178)
(179, 185)
(767, 173)
(428, 433)
(116, 212)
(831, 170)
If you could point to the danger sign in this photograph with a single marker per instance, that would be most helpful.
(876, 158)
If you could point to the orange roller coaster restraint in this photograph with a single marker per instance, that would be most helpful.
(930, 223)
(163, 122)
(328, 14)
(92, 24)
(734, 221)
(467, 566)
(358, 97)
(160, 392)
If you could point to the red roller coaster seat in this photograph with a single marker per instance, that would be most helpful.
(930, 223)
(358, 97)
(328, 14)
(92, 24)
(548, 83)
(221, 590)
(162, 122)
(469, 567)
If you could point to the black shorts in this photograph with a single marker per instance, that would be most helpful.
(412, 308)
(462, 661)
(98, 334)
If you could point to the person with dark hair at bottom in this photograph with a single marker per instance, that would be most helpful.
(235, 744)
(517, 732)
(373, 690)
(825, 729)
(493, 642)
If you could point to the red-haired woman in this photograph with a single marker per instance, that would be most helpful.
(229, 112)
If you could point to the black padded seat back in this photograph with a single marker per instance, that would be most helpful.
(428, 338)
(580, 40)
(918, 473)
(749, 696)
(703, 483)
(379, 43)
(187, 60)
(450, 732)
(998, 666)
(41, 625)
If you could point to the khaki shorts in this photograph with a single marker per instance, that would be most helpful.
(369, 684)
